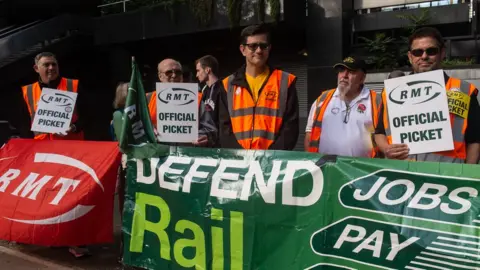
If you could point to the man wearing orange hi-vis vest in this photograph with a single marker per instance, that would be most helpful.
(46, 66)
(258, 108)
(426, 52)
(341, 121)
(170, 71)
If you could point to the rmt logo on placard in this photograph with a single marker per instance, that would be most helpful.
(176, 96)
(416, 92)
(58, 99)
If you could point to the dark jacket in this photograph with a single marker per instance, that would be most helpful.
(287, 137)
(207, 125)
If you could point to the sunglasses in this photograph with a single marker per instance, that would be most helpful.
(430, 52)
(254, 46)
(169, 73)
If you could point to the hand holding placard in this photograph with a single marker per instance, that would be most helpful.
(418, 112)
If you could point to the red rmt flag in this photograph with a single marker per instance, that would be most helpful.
(57, 193)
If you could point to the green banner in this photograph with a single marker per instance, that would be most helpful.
(191, 208)
(137, 128)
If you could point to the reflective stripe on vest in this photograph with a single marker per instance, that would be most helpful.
(325, 97)
(459, 126)
(256, 124)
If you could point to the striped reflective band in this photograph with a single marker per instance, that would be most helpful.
(388, 131)
(459, 122)
(70, 85)
(283, 93)
(247, 135)
(31, 103)
(230, 94)
(314, 143)
(252, 110)
(318, 124)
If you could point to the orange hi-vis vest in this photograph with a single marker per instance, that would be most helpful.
(325, 97)
(256, 124)
(152, 106)
(32, 93)
(459, 126)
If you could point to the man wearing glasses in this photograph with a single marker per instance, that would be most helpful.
(170, 71)
(259, 107)
(427, 50)
(341, 120)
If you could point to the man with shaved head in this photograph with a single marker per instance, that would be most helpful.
(170, 71)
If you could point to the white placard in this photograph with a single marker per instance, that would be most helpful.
(177, 112)
(54, 111)
(418, 112)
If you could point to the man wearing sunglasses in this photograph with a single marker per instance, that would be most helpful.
(258, 108)
(427, 50)
(170, 71)
(341, 120)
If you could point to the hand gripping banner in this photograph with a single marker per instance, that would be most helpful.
(57, 193)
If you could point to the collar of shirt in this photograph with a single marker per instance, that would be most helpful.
(52, 84)
(364, 94)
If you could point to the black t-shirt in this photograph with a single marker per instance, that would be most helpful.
(472, 134)
(210, 95)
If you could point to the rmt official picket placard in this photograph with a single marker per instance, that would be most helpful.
(418, 112)
(177, 112)
(54, 111)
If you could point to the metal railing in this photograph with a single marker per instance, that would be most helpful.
(377, 6)
(123, 2)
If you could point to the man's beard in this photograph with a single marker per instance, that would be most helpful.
(344, 88)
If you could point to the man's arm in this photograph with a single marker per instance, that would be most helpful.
(472, 134)
(306, 141)
(391, 151)
(288, 135)
(472, 153)
(226, 136)
(308, 128)
(379, 136)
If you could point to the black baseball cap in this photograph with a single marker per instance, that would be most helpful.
(352, 64)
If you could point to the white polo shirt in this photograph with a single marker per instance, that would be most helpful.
(352, 138)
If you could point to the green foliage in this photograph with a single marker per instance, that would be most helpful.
(234, 9)
(414, 22)
(382, 51)
(202, 10)
(274, 9)
(387, 52)
(458, 62)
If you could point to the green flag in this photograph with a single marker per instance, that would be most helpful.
(137, 128)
